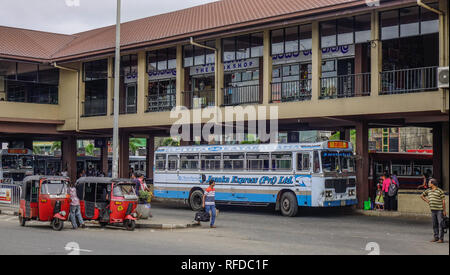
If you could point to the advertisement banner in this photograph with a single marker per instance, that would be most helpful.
(5, 195)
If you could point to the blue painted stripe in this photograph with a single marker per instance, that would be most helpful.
(303, 200)
(338, 203)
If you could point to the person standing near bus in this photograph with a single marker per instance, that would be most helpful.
(388, 198)
(209, 202)
(435, 198)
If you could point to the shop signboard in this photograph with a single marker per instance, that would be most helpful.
(5, 195)
(229, 66)
(304, 56)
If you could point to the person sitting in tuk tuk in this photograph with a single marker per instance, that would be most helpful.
(75, 213)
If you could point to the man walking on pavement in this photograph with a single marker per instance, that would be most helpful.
(209, 203)
(75, 212)
(435, 198)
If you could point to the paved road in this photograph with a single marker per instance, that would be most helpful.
(240, 230)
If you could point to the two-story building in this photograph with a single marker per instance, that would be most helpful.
(332, 65)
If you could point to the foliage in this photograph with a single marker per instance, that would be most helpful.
(251, 141)
(145, 196)
(56, 146)
(170, 142)
(90, 149)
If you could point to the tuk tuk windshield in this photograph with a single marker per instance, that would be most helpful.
(124, 190)
(54, 187)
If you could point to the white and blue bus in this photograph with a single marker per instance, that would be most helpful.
(286, 175)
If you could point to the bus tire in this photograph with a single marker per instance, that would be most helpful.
(196, 200)
(288, 204)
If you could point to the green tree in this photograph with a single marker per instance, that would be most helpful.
(89, 149)
(170, 142)
(136, 143)
(56, 146)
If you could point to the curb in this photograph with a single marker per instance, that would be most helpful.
(166, 226)
(9, 212)
(371, 213)
(143, 226)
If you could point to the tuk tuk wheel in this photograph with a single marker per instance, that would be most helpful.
(22, 220)
(57, 224)
(130, 225)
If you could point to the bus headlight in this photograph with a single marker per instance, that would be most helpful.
(328, 194)
(351, 192)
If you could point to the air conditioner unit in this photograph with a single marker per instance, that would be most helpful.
(443, 77)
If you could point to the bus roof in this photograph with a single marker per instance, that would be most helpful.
(280, 147)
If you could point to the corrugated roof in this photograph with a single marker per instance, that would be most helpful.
(31, 44)
(177, 24)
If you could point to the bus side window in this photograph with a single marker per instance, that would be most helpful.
(160, 163)
(316, 162)
(303, 162)
(173, 163)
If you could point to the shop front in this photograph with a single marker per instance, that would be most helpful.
(162, 73)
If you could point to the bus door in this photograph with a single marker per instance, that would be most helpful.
(303, 177)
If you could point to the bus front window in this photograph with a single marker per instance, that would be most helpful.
(9, 162)
(330, 161)
(338, 162)
(27, 161)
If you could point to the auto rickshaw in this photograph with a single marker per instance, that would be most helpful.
(108, 201)
(45, 198)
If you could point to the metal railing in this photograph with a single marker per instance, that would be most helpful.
(291, 91)
(199, 99)
(125, 109)
(10, 195)
(161, 103)
(342, 86)
(96, 107)
(409, 80)
(241, 95)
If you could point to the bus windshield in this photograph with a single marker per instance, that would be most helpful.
(333, 161)
(54, 187)
(27, 161)
(9, 162)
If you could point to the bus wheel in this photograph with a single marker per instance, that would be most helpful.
(196, 200)
(288, 204)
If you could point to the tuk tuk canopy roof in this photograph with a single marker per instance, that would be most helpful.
(39, 177)
(84, 180)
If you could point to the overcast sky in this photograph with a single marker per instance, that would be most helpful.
(66, 16)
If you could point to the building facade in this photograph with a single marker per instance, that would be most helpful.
(326, 65)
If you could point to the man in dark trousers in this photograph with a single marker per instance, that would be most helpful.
(209, 202)
(435, 198)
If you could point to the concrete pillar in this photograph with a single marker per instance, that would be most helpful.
(316, 62)
(69, 157)
(445, 156)
(437, 152)
(376, 55)
(267, 69)
(150, 156)
(180, 81)
(220, 74)
(362, 163)
(142, 83)
(28, 144)
(344, 134)
(124, 154)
